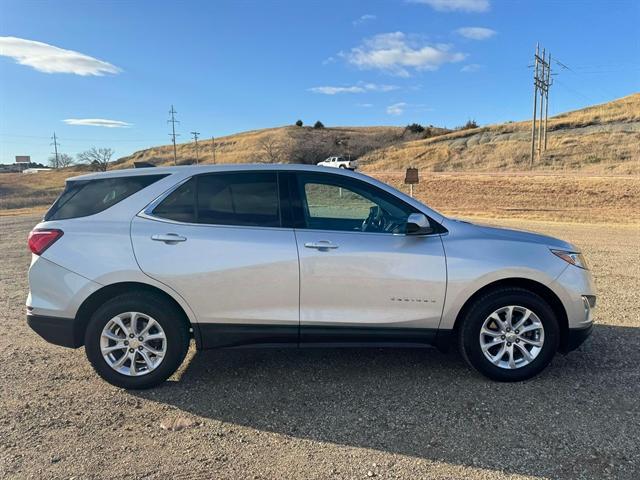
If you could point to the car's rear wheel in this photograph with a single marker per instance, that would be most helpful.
(136, 340)
(509, 334)
(342, 166)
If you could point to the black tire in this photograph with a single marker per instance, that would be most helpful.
(469, 333)
(342, 166)
(172, 321)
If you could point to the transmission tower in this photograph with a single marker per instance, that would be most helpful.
(55, 148)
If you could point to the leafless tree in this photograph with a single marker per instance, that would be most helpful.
(272, 150)
(63, 160)
(98, 158)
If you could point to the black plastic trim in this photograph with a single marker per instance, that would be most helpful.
(363, 335)
(66, 332)
(222, 335)
(576, 337)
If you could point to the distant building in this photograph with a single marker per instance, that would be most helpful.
(35, 170)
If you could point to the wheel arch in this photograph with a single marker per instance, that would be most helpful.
(527, 284)
(97, 298)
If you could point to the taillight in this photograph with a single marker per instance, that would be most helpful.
(42, 238)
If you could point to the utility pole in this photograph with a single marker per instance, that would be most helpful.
(543, 76)
(195, 139)
(541, 83)
(213, 146)
(546, 105)
(55, 147)
(535, 106)
(173, 133)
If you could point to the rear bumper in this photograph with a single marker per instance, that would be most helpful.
(65, 332)
(576, 337)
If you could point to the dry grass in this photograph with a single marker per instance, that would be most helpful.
(20, 191)
(248, 147)
(586, 144)
(579, 199)
(599, 139)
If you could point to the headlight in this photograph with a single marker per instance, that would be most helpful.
(574, 258)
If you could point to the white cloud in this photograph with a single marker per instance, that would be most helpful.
(367, 17)
(97, 122)
(49, 59)
(456, 5)
(359, 88)
(472, 67)
(364, 105)
(476, 33)
(396, 108)
(396, 53)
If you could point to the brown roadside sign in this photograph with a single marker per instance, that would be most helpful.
(411, 177)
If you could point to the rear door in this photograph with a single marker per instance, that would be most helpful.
(219, 241)
(361, 277)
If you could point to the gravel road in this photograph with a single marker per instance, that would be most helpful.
(323, 413)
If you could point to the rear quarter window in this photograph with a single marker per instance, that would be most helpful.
(82, 198)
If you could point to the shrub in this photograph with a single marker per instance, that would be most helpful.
(299, 123)
(469, 125)
(318, 124)
(415, 128)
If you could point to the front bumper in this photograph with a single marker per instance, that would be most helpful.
(65, 332)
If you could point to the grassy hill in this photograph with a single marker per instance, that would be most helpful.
(590, 172)
(282, 144)
(602, 139)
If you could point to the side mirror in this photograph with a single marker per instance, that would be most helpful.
(418, 224)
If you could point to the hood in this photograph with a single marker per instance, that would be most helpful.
(509, 234)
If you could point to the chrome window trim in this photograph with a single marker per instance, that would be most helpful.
(146, 213)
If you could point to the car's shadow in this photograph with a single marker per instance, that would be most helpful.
(430, 405)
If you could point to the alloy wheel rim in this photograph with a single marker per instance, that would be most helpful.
(512, 337)
(133, 344)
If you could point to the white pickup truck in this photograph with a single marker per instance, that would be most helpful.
(339, 162)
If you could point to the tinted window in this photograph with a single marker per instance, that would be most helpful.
(334, 203)
(87, 197)
(179, 204)
(249, 199)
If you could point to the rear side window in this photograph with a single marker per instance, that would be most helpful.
(180, 204)
(87, 197)
(239, 199)
(242, 199)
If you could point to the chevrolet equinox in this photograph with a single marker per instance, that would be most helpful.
(132, 264)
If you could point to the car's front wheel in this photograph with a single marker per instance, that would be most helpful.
(509, 334)
(136, 340)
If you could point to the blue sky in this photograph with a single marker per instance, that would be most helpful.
(230, 66)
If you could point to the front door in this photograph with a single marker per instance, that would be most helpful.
(218, 241)
(361, 277)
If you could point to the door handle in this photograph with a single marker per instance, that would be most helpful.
(169, 238)
(321, 245)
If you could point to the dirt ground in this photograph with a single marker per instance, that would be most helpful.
(325, 413)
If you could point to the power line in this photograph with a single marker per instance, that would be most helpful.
(173, 133)
(195, 139)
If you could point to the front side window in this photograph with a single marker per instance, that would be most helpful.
(243, 199)
(350, 205)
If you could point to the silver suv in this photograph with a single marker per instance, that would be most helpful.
(132, 264)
